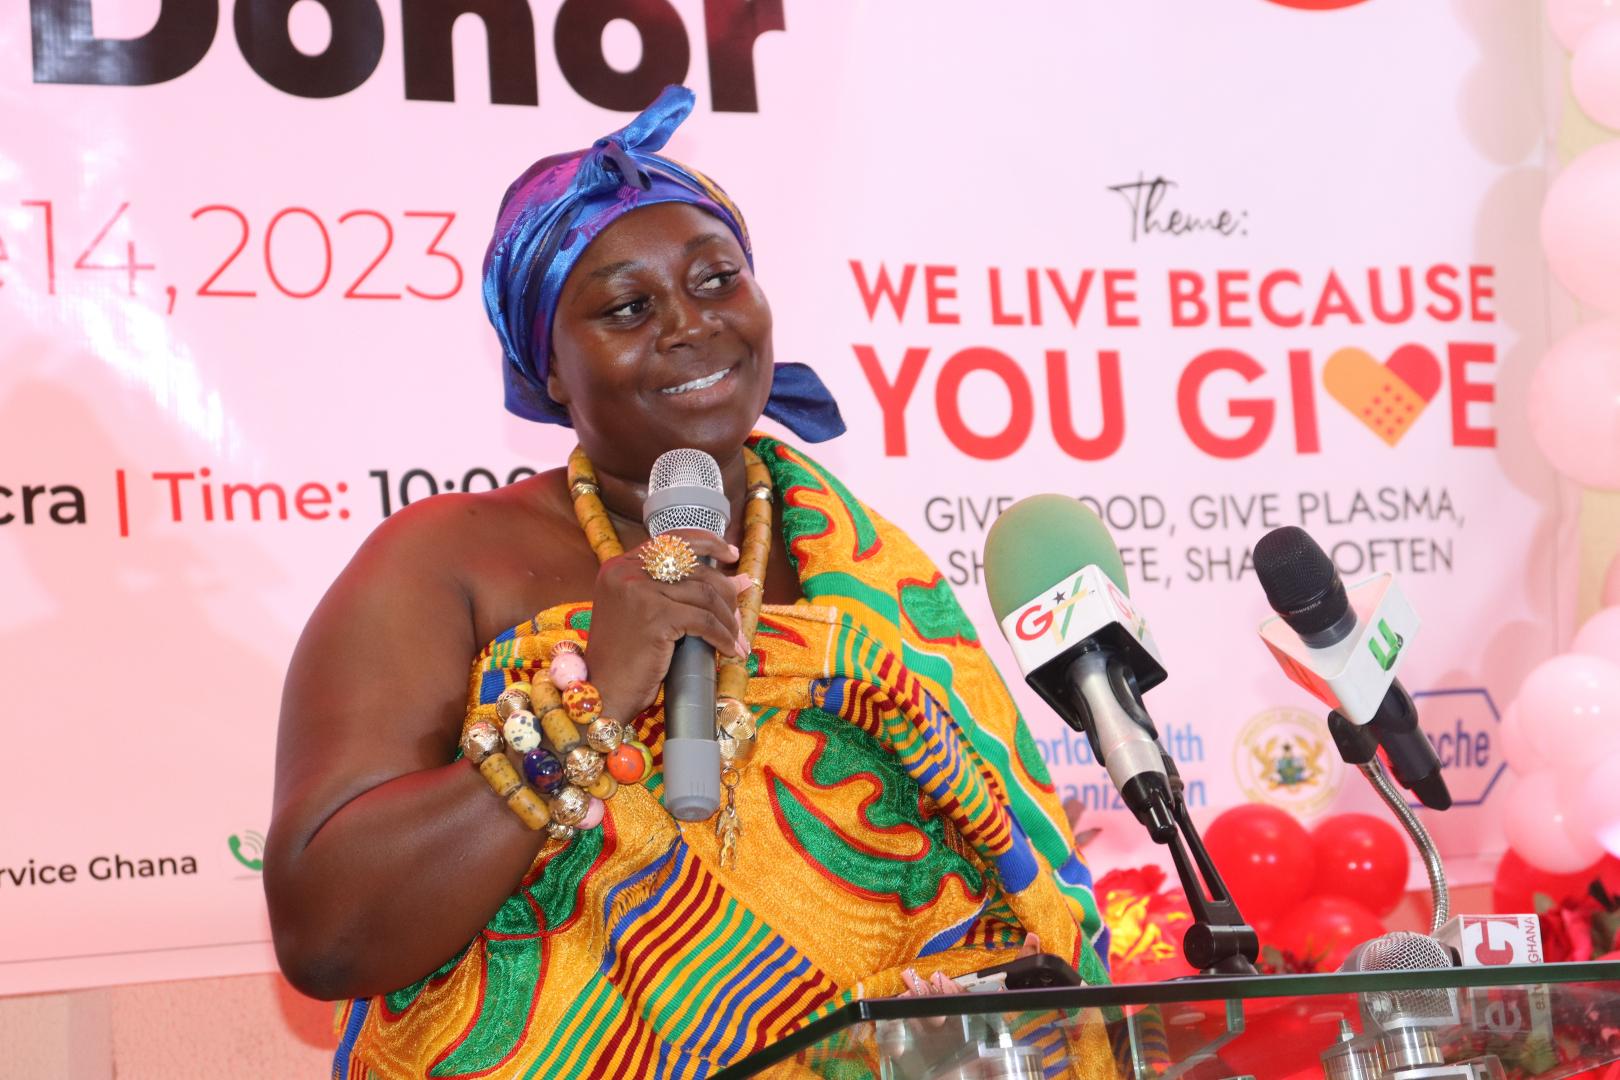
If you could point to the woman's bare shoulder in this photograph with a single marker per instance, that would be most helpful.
(444, 529)
(509, 552)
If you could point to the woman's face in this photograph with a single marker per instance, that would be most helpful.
(661, 339)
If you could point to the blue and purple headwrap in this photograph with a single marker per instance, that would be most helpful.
(552, 213)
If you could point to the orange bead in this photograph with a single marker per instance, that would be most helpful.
(625, 764)
(583, 702)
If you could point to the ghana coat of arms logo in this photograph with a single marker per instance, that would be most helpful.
(1286, 758)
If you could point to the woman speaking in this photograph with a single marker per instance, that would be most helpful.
(482, 861)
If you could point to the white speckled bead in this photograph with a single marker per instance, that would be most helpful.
(521, 731)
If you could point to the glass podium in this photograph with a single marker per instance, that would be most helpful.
(1546, 1021)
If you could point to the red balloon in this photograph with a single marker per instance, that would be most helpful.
(1517, 883)
(1286, 1038)
(1325, 928)
(1264, 856)
(1362, 858)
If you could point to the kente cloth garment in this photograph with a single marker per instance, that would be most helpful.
(550, 215)
(896, 813)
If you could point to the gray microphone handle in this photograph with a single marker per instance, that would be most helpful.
(691, 755)
(1126, 748)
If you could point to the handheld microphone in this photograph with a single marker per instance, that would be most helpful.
(1348, 663)
(1057, 587)
(685, 492)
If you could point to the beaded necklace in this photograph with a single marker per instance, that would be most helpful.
(735, 727)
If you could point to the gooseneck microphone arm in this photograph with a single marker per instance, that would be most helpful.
(1359, 747)
(1439, 893)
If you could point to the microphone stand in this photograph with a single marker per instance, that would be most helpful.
(1219, 941)
(1359, 747)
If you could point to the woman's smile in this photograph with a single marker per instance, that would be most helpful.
(693, 392)
(662, 339)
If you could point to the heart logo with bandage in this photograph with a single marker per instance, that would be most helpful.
(1388, 397)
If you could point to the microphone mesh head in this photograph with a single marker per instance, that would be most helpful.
(1403, 950)
(1398, 950)
(1299, 579)
(685, 468)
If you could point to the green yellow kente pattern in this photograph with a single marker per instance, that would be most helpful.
(895, 814)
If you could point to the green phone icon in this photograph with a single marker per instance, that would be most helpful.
(247, 848)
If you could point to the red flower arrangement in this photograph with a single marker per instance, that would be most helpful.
(1580, 927)
(1146, 923)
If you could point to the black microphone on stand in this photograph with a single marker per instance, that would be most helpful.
(1303, 586)
(685, 492)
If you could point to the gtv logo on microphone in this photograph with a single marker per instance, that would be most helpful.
(1054, 613)
(1079, 605)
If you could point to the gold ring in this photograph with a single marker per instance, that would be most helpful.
(668, 558)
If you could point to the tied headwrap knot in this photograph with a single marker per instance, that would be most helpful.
(548, 218)
(612, 153)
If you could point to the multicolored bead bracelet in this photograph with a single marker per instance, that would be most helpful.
(578, 771)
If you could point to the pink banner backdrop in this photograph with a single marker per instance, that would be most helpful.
(1165, 257)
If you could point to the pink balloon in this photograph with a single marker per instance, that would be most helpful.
(1517, 748)
(1611, 583)
(1594, 73)
(1543, 829)
(1599, 636)
(1574, 400)
(1570, 708)
(1599, 806)
(1571, 19)
(1580, 227)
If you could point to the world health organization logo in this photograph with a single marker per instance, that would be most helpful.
(1285, 757)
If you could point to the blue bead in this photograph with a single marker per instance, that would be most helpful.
(544, 770)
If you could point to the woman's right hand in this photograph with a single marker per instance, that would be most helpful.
(636, 621)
